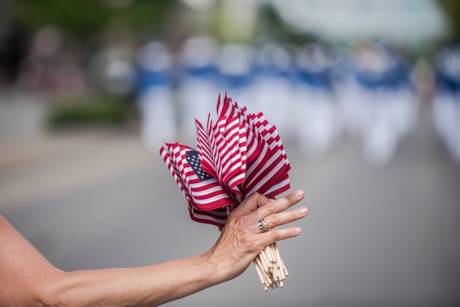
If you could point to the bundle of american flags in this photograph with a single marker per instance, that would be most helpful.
(238, 154)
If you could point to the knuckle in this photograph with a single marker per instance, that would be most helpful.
(255, 196)
(263, 200)
(271, 208)
(274, 220)
(274, 236)
(292, 197)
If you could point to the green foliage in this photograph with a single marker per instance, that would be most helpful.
(452, 10)
(83, 18)
(88, 111)
(270, 26)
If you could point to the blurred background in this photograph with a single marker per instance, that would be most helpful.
(365, 93)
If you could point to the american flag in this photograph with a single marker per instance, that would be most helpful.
(241, 153)
(269, 166)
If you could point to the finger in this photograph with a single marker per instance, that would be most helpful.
(274, 235)
(251, 203)
(286, 217)
(279, 205)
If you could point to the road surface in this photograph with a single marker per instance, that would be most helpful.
(375, 237)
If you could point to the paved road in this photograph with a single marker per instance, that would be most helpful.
(375, 237)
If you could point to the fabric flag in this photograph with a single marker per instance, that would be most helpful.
(239, 154)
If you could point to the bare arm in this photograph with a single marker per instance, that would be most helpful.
(27, 278)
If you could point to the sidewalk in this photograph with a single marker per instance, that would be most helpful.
(52, 165)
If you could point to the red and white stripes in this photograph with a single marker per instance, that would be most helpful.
(239, 154)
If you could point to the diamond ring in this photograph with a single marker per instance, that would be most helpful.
(262, 225)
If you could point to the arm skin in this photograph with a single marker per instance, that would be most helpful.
(28, 279)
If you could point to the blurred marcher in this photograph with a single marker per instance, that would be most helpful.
(379, 103)
(446, 106)
(156, 95)
(199, 82)
(317, 118)
(235, 64)
(271, 86)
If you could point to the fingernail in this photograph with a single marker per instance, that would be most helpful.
(297, 230)
(299, 193)
(303, 210)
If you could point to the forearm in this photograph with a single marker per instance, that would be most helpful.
(150, 285)
(28, 279)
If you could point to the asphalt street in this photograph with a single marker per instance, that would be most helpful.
(375, 236)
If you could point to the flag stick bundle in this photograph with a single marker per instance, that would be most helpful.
(270, 267)
(240, 154)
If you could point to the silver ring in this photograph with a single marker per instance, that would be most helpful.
(262, 225)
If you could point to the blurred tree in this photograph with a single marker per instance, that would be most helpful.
(270, 26)
(452, 10)
(83, 18)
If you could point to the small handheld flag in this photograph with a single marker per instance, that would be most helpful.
(239, 154)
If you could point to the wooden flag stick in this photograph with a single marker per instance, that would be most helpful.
(263, 264)
(267, 279)
(259, 273)
(279, 262)
(270, 267)
(276, 267)
(264, 259)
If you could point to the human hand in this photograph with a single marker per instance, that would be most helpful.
(241, 240)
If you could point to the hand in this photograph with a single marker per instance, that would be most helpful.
(241, 240)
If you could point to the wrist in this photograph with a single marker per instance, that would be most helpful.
(215, 269)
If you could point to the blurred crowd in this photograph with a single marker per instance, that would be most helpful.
(317, 91)
(315, 94)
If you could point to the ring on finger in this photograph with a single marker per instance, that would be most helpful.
(262, 224)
